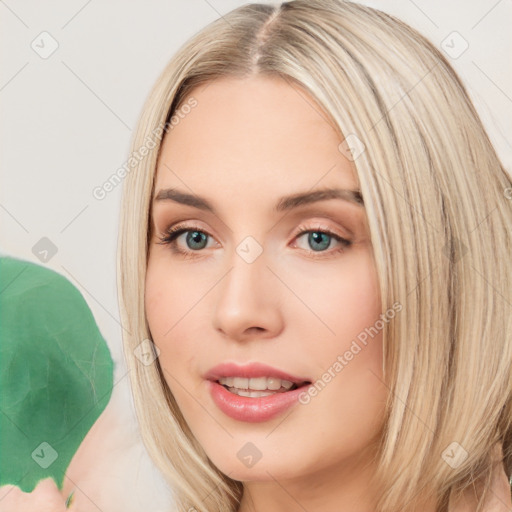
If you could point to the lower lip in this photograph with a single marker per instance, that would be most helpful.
(257, 409)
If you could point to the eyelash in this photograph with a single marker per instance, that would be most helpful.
(174, 232)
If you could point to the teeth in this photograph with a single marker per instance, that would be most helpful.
(229, 381)
(256, 383)
(240, 383)
(274, 383)
(253, 394)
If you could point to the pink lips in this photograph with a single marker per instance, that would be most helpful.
(249, 409)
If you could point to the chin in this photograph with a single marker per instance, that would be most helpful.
(257, 473)
(261, 470)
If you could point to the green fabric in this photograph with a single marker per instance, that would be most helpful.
(56, 373)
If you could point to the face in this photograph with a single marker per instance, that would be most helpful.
(248, 278)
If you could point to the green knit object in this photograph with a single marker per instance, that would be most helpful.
(56, 373)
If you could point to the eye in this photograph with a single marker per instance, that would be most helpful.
(196, 239)
(320, 239)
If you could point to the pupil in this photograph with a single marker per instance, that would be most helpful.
(316, 237)
(196, 237)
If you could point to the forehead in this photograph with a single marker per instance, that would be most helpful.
(263, 132)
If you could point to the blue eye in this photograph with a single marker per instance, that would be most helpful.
(196, 239)
(320, 239)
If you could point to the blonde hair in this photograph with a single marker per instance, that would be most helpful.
(436, 198)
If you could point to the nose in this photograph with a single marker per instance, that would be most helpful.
(247, 304)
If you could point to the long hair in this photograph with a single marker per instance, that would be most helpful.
(438, 204)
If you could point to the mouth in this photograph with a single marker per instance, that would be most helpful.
(255, 405)
(256, 387)
(253, 392)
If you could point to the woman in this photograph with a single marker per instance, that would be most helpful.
(314, 271)
(374, 376)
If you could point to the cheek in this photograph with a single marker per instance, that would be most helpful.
(348, 353)
(343, 299)
(157, 300)
(169, 303)
(168, 296)
(357, 305)
(162, 299)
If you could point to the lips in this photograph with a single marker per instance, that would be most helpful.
(253, 406)
(252, 370)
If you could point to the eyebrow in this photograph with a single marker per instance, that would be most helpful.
(285, 203)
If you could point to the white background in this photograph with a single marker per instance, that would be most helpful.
(67, 122)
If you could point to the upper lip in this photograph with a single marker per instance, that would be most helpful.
(251, 370)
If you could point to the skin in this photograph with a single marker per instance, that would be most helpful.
(247, 143)
(109, 472)
(500, 497)
(44, 498)
(317, 457)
